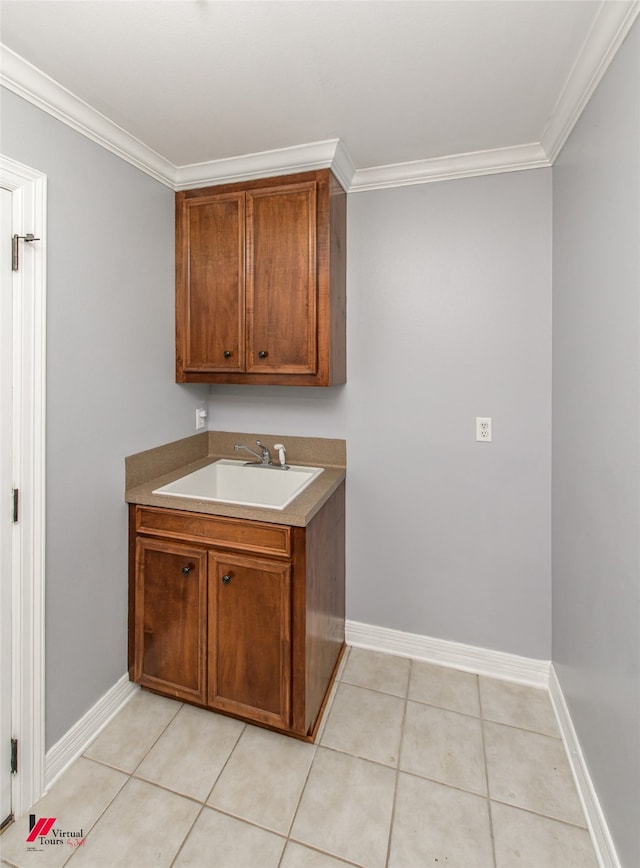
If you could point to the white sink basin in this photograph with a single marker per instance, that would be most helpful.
(231, 481)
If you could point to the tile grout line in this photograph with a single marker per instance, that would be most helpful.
(120, 790)
(151, 747)
(245, 821)
(486, 773)
(564, 822)
(122, 771)
(225, 764)
(100, 815)
(455, 710)
(440, 783)
(315, 849)
(316, 745)
(338, 682)
(223, 813)
(300, 797)
(189, 831)
(109, 765)
(397, 776)
(323, 725)
(203, 804)
(372, 689)
(129, 774)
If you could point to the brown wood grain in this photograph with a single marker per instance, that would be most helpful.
(250, 638)
(324, 602)
(232, 533)
(211, 284)
(281, 279)
(261, 268)
(170, 618)
(263, 646)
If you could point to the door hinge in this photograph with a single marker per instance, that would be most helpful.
(15, 495)
(15, 258)
(14, 756)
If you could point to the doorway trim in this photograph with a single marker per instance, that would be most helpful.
(29, 201)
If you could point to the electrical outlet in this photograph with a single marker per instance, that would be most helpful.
(483, 429)
(201, 415)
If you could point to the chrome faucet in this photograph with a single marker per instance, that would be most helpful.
(264, 457)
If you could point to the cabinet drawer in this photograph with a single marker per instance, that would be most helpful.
(229, 533)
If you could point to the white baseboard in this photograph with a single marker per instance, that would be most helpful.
(481, 661)
(600, 835)
(76, 740)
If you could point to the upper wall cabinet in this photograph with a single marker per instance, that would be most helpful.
(260, 282)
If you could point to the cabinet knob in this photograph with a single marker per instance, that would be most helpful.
(186, 570)
(226, 579)
(227, 354)
(263, 354)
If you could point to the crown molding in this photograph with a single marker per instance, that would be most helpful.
(611, 25)
(30, 83)
(333, 154)
(266, 164)
(342, 166)
(447, 168)
(609, 29)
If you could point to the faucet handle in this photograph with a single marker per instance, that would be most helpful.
(266, 455)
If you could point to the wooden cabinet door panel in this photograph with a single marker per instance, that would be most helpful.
(211, 279)
(281, 279)
(250, 638)
(170, 618)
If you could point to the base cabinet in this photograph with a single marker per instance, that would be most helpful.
(243, 617)
(170, 627)
(250, 638)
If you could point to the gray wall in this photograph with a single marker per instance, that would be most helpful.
(596, 439)
(449, 318)
(110, 389)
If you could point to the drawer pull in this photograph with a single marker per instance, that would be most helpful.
(263, 354)
(227, 354)
(226, 579)
(186, 570)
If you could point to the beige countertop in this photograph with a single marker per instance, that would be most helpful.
(149, 470)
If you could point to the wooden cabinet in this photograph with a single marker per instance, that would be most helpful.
(250, 637)
(260, 282)
(170, 634)
(242, 617)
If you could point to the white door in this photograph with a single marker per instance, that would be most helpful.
(22, 451)
(6, 512)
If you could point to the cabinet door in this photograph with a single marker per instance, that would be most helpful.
(210, 283)
(281, 305)
(170, 618)
(250, 637)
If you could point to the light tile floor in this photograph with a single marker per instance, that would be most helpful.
(416, 765)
